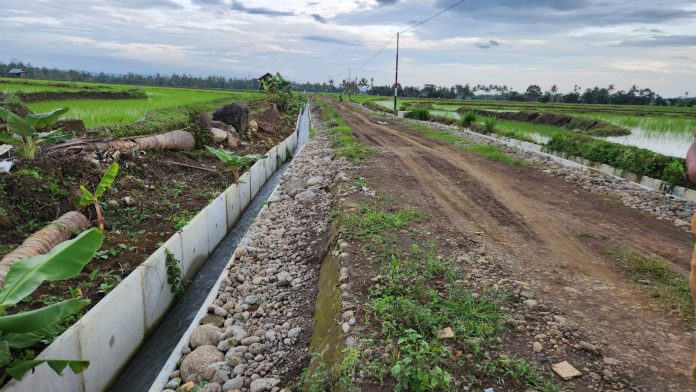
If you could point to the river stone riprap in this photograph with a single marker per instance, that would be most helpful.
(268, 297)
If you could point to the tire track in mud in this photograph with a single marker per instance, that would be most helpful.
(533, 220)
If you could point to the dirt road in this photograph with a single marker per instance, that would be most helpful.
(540, 224)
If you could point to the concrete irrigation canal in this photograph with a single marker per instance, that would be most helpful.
(151, 358)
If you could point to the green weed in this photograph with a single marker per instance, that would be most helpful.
(656, 279)
(491, 152)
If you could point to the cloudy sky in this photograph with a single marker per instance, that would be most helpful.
(513, 42)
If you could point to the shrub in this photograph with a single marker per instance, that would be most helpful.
(674, 173)
(637, 160)
(489, 125)
(422, 114)
(468, 118)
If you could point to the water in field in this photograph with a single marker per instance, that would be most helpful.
(667, 143)
(664, 134)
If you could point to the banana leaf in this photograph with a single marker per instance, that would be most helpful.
(107, 180)
(20, 367)
(40, 120)
(63, 262)
(40, 319)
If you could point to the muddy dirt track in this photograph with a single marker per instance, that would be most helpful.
(537, 221)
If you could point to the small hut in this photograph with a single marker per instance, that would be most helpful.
(16, 72)
(264, 77)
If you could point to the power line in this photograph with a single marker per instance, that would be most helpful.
(374, 56)
(432, 17)
(378, 52)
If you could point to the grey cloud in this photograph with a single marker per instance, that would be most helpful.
(387, 2)
(318, 18)
(565, 13)
(490, 44)
(147, 4)
(661, 40)
(330, 40)
(563, 5)
(646, 30)
(237, 6)
(680, 58)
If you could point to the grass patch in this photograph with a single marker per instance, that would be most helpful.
(491, 152)
(656, 279)
(486, 150)
(420, 294)
(345, 143)
(370, 222)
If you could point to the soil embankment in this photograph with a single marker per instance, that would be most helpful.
(586, 125)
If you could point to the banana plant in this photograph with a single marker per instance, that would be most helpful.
(86, 198)
(24, 329)
(24, 134)
(236, 162)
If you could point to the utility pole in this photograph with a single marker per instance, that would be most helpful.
(396, 76)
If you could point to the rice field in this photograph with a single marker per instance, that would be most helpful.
(96, 112)
(667, 130)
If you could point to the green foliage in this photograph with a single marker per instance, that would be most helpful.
(489, 124)
(237, 164)
(86, 198)
(417, 369)
(173, 273)
(637, 160)
(21, 330)
(674, 173)
(277, 90)
(369, 222)
(346, 144)
(418, 113)
(491, 152)
(658, 280)
(181, 218)
(24, 131)
(485, 150)
(468, 118)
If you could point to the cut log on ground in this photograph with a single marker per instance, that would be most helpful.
(175, 140)
(45, 239)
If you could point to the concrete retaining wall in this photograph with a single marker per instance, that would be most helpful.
(110, 333)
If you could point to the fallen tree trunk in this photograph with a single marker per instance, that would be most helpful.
(45, 239)
(174, 140)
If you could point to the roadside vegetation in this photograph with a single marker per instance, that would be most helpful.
(345, 143)
(657, 280)
(484, 150)
(427, 329)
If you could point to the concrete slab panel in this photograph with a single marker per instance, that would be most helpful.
(282, 152)
(232, 205)
(157, 293)
(194, 241)
(112, 331)
(217, 221)
(256, 173)
(244, 187)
